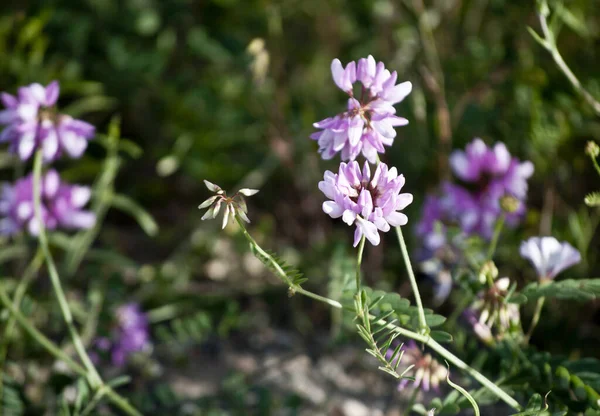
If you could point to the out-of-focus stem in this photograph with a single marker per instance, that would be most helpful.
(496, 236)
(92, 373)
(536, 318)
(549, 42)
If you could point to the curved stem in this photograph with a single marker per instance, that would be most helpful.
(92, 373)
(550, 44)
(359, 255)
(28, 276)
(424, 329)
(536, 318)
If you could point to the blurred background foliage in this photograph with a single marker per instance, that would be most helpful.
(227, 90)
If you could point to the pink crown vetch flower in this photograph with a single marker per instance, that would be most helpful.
(373, 204)
(368, 123)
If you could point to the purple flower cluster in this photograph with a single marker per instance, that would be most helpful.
(131, 335)
(32, 123)
(372, 204)
(368, 123)
(486, 176)
(61, 205)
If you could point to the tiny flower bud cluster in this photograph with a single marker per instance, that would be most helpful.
(491, 311)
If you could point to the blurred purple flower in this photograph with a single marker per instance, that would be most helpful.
(428, 372)
(32, 123)
(549, 256)
(368, 124)
(132, 333)
(431, 228)
(61, 205)
(488, 174)
(370, 204)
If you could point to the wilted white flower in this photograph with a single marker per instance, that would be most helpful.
(235, 205)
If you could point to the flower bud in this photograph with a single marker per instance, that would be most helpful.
(509, 204)
(592, 149)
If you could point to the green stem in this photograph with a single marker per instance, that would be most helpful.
(359, 255)
(496, 236)
(595, 162)
(281, 273)
(93, 376)
(53, 349)
(422, 338)
(28, 276)
(103, 190)
(424, 329)
(506, 398)
(536, 318)
(550, 45)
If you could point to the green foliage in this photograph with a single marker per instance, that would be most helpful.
(185, 330)
(11, 402)
(580, 290)
(380, 340)
(392, 305)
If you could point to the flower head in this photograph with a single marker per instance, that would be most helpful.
(368, 123)
(488, 175)
(61, 205)
(549, 256)
(370, 203)
(32, 123)
(428, 371)
(490, 310)
(233, 205)
(131, 334)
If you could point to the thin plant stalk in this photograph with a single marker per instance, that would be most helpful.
(359, 255)
(424, 329)
(92, 374)
(549, 42)
(539, 306)
(53, 349)
(496, 236)
(102, 200)
(281, 273)
(422, 338)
